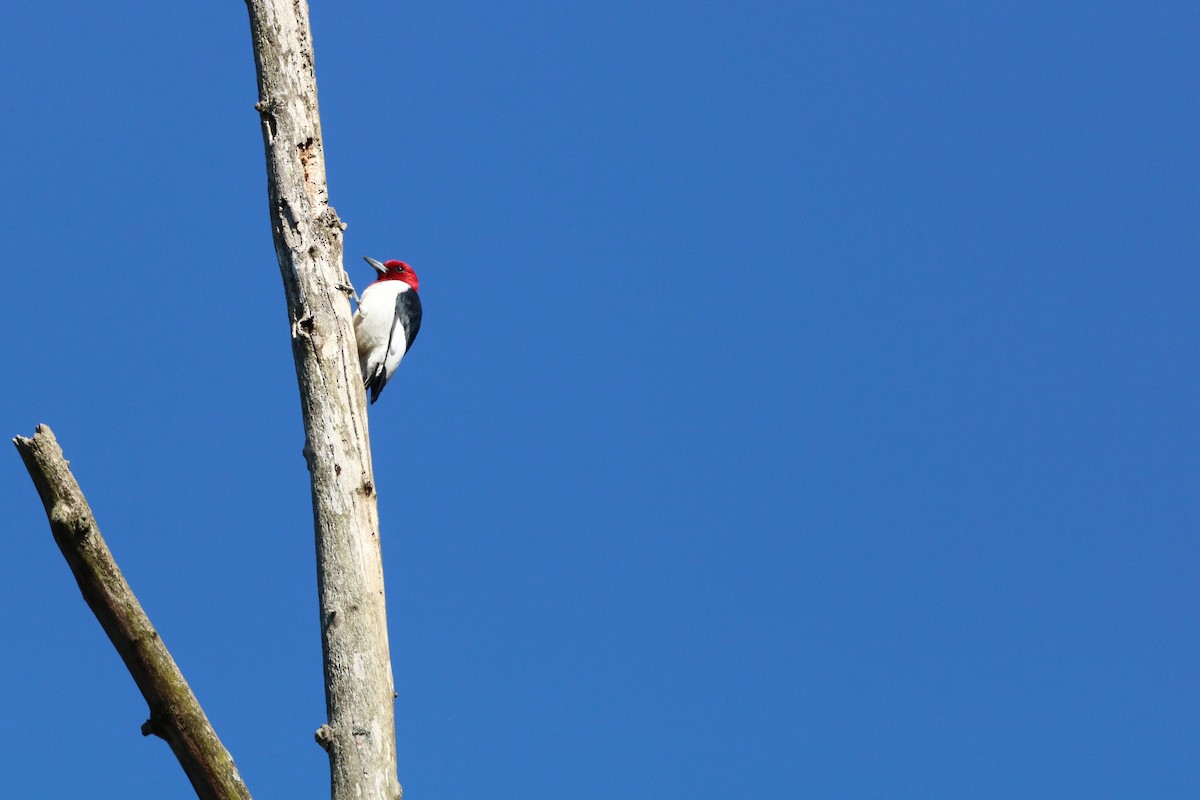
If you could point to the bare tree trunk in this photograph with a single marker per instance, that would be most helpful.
(360, 736)
(175, 715)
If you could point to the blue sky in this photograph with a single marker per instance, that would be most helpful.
(805, 404)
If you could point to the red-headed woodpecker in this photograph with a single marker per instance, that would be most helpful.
(386, 323)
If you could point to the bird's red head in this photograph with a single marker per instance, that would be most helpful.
(394, 271)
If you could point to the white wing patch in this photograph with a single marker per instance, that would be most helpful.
(376, 328)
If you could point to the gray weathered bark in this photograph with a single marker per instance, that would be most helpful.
(360, 735)
(175, 715)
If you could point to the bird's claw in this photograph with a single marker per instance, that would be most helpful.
(347, 288)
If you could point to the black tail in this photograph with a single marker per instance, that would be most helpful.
(375, 383)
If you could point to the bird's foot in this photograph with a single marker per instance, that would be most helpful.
(347, 287)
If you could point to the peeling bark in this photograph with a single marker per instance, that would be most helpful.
(360, 735)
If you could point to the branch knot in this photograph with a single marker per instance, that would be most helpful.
(324, 737)
(151, 727)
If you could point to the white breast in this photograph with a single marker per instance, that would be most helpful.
(375, 324)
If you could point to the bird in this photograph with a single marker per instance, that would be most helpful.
(386, 322)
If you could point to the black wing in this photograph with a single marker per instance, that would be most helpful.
(408, 314)
(408, 319)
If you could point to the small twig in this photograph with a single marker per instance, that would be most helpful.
(175, 714)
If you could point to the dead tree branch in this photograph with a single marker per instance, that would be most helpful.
(360, 735)
(175, 714)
